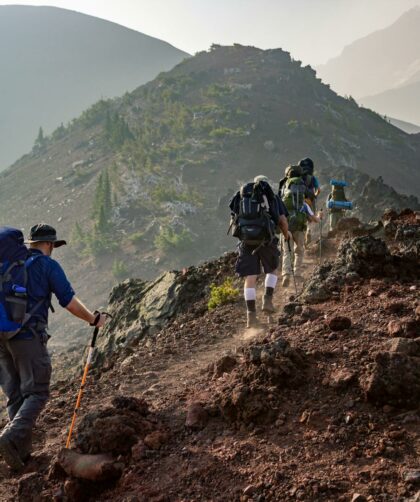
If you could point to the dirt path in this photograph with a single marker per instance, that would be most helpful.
(173, 377)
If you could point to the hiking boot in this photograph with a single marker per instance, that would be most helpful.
(267, 304)
(286, 281)
(251, 319)
(25, 448)
(10, 454)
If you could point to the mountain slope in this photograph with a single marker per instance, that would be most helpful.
(383, 60)
(399, 102)
(405, 126)
(140, 184)
(55, 63)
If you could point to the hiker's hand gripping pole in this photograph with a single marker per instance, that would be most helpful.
(292, 265)
(83, 383)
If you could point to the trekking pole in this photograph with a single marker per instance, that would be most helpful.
(292, 264)
(83, 383)
(320, 237)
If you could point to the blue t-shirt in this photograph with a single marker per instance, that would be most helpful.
(45, 277)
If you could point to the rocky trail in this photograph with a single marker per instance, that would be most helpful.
(321, 405)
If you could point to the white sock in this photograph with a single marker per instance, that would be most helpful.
(250, 294)
(270, 281)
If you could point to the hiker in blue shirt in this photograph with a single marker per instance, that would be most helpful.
(25, 365)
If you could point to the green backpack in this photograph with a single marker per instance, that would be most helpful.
(294, 200)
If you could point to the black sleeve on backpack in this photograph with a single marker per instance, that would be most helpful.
(268, 191)
(281, 185)
(234, 204)
(275, 210)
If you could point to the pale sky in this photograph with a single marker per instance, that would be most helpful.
(312, 30)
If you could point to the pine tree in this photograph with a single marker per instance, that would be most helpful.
(107, 195)
(102, 224)
(40, 140)
(98, 197)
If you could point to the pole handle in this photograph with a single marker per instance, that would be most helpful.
(94, 337)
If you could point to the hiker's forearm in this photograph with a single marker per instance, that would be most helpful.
(284, 227)
(77, 308)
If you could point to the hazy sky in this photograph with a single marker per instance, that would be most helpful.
(312, 30)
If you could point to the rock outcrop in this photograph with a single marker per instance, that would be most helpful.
(140, 308)
(395, 257)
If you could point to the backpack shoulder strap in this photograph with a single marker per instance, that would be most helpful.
(28, 263)
(6, 275)
(33, 258)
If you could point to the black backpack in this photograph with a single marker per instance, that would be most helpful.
(253, 224)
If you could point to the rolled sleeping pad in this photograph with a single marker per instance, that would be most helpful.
(338, 183)
(337, 204)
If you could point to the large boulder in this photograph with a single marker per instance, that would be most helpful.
(363, 257)
(140, 308)
(115, 429)
(254, 388)
(395, 378)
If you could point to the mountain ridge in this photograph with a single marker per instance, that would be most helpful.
(397, 102)
(376, 62)
(90, 58)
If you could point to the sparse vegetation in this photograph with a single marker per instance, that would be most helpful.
(119, 269)
(169, 239)
(117, 131)
(136, 237)
(220, 295)
(96, 114)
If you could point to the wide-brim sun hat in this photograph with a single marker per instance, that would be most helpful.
(44, 233)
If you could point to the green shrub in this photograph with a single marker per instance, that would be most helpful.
(224, 132)
(167, 239)
(119, 269)
(293, 125)
(96, 113)
(136, 238)
(220, 295)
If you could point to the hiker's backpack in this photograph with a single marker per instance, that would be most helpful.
(14, 264)
(253, 224)
(309, 181)
(294, 199)
(338, 194)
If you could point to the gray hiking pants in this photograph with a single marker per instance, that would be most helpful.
(25, 373)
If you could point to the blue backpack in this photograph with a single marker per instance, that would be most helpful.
(14, 265)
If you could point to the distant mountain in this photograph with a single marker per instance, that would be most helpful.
(402, 102)
(405, 126)
(141, 183)
(385, 59)
(55, 63)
